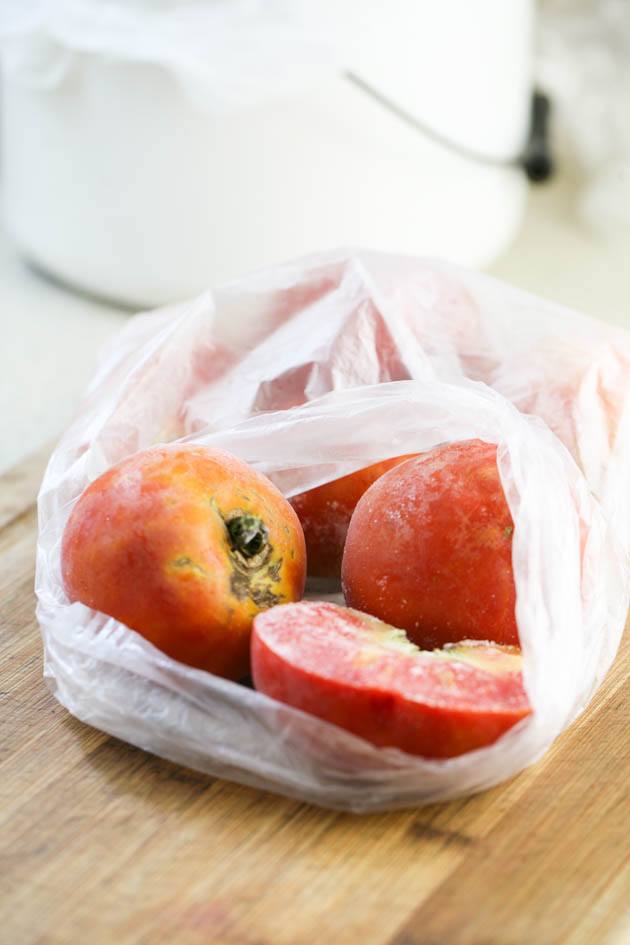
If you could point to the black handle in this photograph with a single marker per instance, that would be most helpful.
(537, 160)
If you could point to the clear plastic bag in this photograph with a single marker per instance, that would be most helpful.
(309, 371)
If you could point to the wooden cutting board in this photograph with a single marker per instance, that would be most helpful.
(102, 843)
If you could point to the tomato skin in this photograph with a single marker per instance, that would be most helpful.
(429, 549)
(325, 512)
(339, 665)
(148, 543)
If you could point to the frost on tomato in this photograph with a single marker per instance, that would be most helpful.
(429, 548)
(325, 513)
(365, 676)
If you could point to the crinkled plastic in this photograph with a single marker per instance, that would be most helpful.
(309, 371)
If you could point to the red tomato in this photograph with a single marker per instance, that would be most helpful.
(429, 548)
(365, 676)
(185, 545)
(325, 514)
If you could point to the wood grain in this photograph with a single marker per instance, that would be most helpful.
(102, 843)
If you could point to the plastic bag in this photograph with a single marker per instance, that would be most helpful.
(309, 371)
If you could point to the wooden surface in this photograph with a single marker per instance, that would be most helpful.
(102, 843)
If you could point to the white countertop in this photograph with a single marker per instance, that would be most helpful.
(50, 336)
(556, 255)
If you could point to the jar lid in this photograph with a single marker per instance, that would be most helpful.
(227, 53)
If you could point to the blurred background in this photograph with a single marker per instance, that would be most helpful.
(153, 148)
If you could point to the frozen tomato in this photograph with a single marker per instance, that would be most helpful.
(429, 548)
(185, 545)
(325, 513)
(365, 676)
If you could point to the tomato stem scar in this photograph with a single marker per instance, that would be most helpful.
(248, 534)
